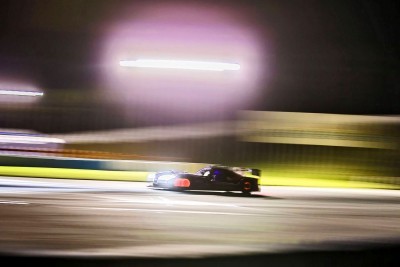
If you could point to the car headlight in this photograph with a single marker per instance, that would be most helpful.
(150, 177)
(166, 177)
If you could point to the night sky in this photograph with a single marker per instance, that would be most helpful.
(326, 56)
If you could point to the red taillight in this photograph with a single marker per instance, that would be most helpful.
(182, 182)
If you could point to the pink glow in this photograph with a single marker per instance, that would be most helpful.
(182, 32)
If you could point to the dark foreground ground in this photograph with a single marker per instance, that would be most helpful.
(379, 256)
(47, 222)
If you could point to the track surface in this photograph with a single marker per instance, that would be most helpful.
(100, 218)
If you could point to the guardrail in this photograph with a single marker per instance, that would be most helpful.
(96, 164)
(75, 153)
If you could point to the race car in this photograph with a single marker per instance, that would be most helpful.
(215, 178)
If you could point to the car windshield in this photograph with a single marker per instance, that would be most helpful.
(203, 172)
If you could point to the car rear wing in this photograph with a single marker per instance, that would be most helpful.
(255, 172)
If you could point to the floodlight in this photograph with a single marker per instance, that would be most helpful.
(179, 64)
(21, 93)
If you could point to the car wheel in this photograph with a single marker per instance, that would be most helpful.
(246, 188)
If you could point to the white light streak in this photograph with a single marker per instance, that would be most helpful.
(21, 93)
(12, 202)
(16, 139)
(179, 64)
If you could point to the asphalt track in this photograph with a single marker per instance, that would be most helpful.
(128, 220)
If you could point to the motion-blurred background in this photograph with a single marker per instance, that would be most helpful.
(315, 97)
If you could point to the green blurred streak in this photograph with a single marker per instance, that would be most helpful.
(268, 179)
(43, 172)
(293, 181)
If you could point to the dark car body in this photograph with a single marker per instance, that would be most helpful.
(216, 178)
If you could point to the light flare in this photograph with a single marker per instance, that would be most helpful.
(166, 177)
(169, 63)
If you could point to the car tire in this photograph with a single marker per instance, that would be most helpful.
(246, 187)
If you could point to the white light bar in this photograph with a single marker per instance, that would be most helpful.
(21, 93)
(179, 64)
(18, 139)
